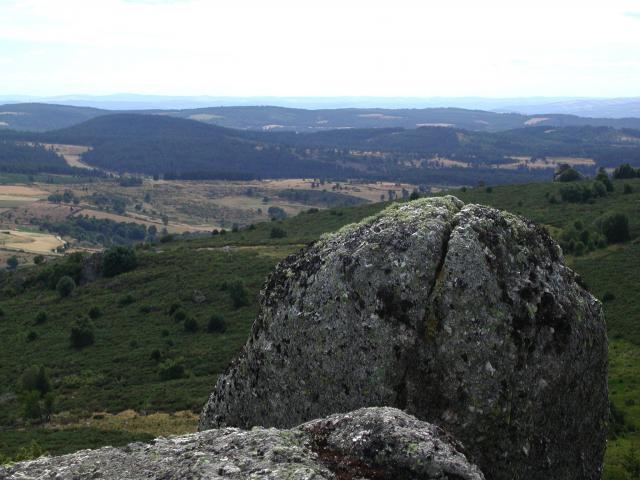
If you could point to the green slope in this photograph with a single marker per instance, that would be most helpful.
(118, 371)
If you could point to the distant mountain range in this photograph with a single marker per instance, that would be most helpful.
(46, 117)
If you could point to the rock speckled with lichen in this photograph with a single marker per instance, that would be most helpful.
(464, 316)
(371, 443)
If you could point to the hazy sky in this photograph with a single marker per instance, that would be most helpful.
(321, 47)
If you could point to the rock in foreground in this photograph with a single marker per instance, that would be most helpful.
(373, 443)
(464, 316)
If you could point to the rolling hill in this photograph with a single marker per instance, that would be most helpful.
(46, 117)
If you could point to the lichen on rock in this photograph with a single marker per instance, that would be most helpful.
(373, 443)
(464, 316)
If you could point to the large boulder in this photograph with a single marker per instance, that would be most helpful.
(464, 316)
(374, 443)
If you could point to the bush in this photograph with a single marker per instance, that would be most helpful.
(627, 189)
(624, 171)
(277, 232)
(38, 259)
(567, 174)
(41, 317)
(12, 262)
(65, 286)
(95, 313)
(173, 308)
(238, 294)
(31, 405)
(171, 370)
(489, 189)
(179, 315)
(156, 355)
(126, 300)
(31, 336)
(82, 334)
(191, 325)
(608, 297)
(615, 227)
(216, 324)
(117, 260)
(35, 378)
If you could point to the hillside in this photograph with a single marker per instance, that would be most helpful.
(188, 149)
(39, 117)
(262, 116)
(222, 274)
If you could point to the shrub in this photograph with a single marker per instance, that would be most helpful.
(489, 189)
(126, 300)
(166, 238)
(1, 312)
(624, 171)
(604, 178)
(95, 313)
(31, 336)
(414, 195)
(171, 370)
(179, 315)
(238, 294)
(82, 334)
(608, 297)
(615, 227)
(38, 259)
(156, 355)
(567, 174)
(627, 189)
(31, 405)
(277, 232)
(41, 317)
(191, 325)
(117, 260)
(35, 378)
(65, 286)
(216, 324)
(173, 308)
(12, 262)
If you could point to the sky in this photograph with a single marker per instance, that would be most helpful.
(401, 48)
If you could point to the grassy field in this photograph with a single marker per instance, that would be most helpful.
(199, 276)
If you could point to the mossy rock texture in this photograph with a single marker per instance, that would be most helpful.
(462, 315)
(374, 443)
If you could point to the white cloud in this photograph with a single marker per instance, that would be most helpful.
(329, 47)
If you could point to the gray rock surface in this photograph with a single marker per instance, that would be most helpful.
(373, 443)
(464, 316)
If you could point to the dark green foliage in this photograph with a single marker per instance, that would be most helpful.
(38, 260)
(624, 171)
(216, 324)
(190, 325)
(415, 195)
(130, 181)
(604, 178)
(65, 286)
(70, 265)
(276, 213)
(628, 189)
(277, 232)
(156, 355)
(31, 405)
(238, 294)
(489, 189)
(126, 300)
(41, 317)
(567, 174)
(317, 197)
(12, 262)
(615, 227)
(101, 231)
(631, 463)
(31, 336)
(171, 370)
(117, 260)
(179, 315)
(95, 313)
(608, 297)
(37, 379)
(173, 308)
(82, 335)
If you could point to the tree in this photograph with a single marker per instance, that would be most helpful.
(82, 334)
(171, 370)
(277, 232)
(12, 262)
(216, 324)
(191, 325)
(238, 295)
(567, 174)
(117, 260)
(38, 259)
(615, 227)
(604, 178)
(36, 378)
(65, 286)
(624, 171)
